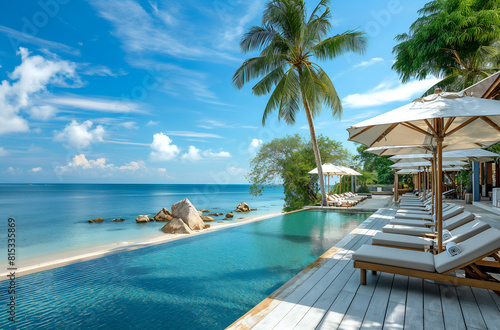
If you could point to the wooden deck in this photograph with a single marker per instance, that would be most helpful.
(327, 295)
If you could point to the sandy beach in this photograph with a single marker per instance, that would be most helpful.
(39, 264)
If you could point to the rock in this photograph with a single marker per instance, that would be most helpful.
(207, 226)
(200, 213)
(164, 215)
(187, 212)
(253, 209)
(241, 218)
(142, 218)
(220, 221)
(242, 207)
(204, 211)
(207, 218)
(176, 226)
(98, 219)
(214, 214)
(118, 220)
(229, 215)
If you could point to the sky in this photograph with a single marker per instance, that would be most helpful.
(129, 91)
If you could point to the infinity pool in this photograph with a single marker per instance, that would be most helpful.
(206, 281)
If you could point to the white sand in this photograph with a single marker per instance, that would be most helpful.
(70, 257)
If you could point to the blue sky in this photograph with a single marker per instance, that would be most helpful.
(140, 91)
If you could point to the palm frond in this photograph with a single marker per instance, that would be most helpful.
(353, 41)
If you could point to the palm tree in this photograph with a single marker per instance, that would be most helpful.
(288, 40)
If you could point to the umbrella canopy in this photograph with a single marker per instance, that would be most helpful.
(422, 149)
(457, 118)
(445, 169)
(479, 155)
(443, 120)
(349, 171)
(427, 164)
(329, 169)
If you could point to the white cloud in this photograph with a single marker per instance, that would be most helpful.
(368, 63)
(81, 166)
(254, 146)
(80, 136)
(129, 125)
(96, 104)
(236, 171)
(220, 154)
(387, 92)
(43, 112)
(149, 30)
(17, 37)
(3, 152)
(30, 79)
(193, 154)
(193, 134)
(152, 123)
(101, 70)
(14, 171)
(133, 166)
(163, 149)
(36, 169)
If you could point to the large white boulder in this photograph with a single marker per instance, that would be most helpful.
(242, 207)
(188, 213)
(142, 218)
(176, 226)
(164, 215)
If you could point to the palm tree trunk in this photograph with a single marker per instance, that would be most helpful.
(316, 152)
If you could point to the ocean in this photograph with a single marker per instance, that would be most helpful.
(53, 218)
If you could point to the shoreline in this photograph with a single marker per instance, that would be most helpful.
(35, 265)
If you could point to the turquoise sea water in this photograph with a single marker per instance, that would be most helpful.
(53, 218)
(206, 281)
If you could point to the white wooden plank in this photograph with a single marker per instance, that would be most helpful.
(336, 312)
(399, 286)
(318, 310)
(452, 312)
(375, 314)
(356, 312)
(395, 316)
(488, 308)
(414, 314)
(470, 310)
(433, 313)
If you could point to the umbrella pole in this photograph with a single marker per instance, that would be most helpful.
(439, 172)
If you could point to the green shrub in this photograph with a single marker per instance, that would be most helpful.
(363, 189)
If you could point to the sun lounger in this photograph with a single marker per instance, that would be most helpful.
(439, 267)
(450, 224)
(448, 213)
(458, 235)
(406, 211)
(346, 201)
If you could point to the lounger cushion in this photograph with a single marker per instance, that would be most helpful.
(473, 248)
(395, 257)
(399, 240)
(410, 222)
(458, 220)
(466, 231)
(407, 230)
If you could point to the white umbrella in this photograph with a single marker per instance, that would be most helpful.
(443, 118)
(479, 155)
(422, 149)
(329, 169)
(421, 164)
(445, 169)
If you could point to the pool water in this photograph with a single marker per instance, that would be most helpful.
(206, 281)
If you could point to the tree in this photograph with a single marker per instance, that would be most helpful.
(379, 164)
(287, 161)
(454, 40)
(288, 40)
